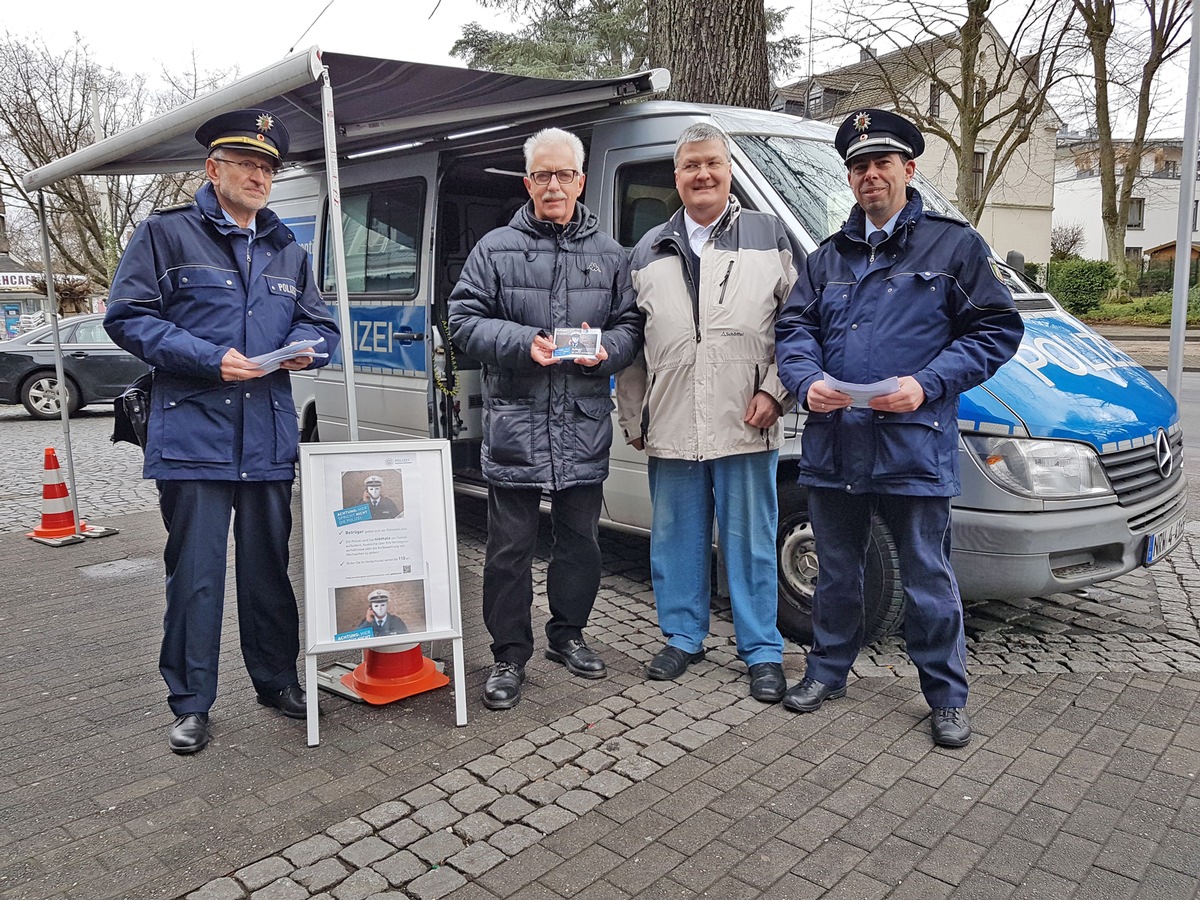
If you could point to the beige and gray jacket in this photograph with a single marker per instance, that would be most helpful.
(707, 350)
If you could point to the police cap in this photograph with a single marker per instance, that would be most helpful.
(372, 479)
(378, 595)
(246, 129)
(878, 131)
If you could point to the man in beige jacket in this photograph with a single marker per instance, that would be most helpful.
(704, 401)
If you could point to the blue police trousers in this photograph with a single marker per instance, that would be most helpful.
(197, 515)
(933, 616)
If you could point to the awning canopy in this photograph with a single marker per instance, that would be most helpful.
(379, 102)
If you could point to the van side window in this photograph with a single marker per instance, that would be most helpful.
(382, 230)
(646, 197)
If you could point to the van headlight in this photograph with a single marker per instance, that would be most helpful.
(1038, 468)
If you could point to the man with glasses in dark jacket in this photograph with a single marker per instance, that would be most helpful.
(546, 419)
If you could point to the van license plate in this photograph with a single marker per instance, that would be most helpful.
(1163, 542)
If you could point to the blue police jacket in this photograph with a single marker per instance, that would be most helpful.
(926, 303)
(187, 290)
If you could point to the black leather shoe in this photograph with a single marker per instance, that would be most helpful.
(579, 658)
(671, 662)
(502, 690)
(950, 726)
(189, 734)
(291, 701)
(809, 694)
(767, 683)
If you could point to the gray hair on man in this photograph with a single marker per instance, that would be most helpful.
(553, 136)
(700, 132)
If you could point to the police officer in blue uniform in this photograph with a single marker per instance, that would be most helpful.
(201, 288)
(901, 292)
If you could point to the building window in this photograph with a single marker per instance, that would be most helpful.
(977, 173)
(935, 101)
(1137, 213)
(980, 91)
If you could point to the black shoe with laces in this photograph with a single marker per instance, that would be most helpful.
(809, 694)
(189, 734)
(950, 726)
(502, 690)
(578, 657)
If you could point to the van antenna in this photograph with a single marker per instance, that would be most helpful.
(310, 25)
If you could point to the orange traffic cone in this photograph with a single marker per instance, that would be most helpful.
(390, 673)
(58, 515)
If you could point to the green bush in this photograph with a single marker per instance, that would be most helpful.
(1080, 284)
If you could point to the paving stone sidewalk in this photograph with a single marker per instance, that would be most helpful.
(1080, 783)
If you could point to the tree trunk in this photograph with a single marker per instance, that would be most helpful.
(716, 52)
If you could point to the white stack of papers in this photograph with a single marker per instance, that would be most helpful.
(269, 362)
(862, 393)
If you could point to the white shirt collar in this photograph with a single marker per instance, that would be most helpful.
(697, 233)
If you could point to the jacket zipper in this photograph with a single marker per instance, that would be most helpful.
(725, 283)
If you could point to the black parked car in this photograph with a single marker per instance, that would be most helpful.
(96, 369)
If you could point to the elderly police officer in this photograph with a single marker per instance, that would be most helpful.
(907, 293)
(378, 619)
(203, 287)
(381, 507)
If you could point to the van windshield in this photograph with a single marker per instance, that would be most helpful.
(811, 178)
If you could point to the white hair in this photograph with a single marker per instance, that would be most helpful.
(557, 137)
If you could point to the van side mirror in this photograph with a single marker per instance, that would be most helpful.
(1016, 260)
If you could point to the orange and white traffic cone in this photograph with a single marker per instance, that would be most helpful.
(387, 674)
(58, 515)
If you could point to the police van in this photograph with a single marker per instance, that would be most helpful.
(1071, 455)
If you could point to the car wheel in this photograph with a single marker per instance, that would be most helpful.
(39, 396)
(796, 550)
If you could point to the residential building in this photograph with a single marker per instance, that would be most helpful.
(1019, 207)
(1153, 221)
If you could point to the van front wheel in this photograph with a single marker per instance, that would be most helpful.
(883, 594)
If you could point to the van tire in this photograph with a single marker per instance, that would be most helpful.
(883, 593)
(308, 427)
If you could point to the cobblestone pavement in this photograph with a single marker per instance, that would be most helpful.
(1081, 781)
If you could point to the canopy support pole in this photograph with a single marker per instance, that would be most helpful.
(63, 395)
(339, 252)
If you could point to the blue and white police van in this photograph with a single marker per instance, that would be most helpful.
(1071, 456)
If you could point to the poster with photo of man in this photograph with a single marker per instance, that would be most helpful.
(380, 610)
(382, 492)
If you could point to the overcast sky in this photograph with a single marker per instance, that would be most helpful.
(147, 35)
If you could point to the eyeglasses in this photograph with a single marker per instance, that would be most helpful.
(714, 165)
(248, 167)
(564, 176)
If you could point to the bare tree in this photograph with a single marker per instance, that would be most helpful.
(949, 70)
(54, 104)
(1066, 241)
(1128, 43)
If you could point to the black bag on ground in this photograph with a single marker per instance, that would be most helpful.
(131, 412)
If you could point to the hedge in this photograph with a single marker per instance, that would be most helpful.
(1080, 284)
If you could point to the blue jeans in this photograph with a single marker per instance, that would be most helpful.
(741, 491)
